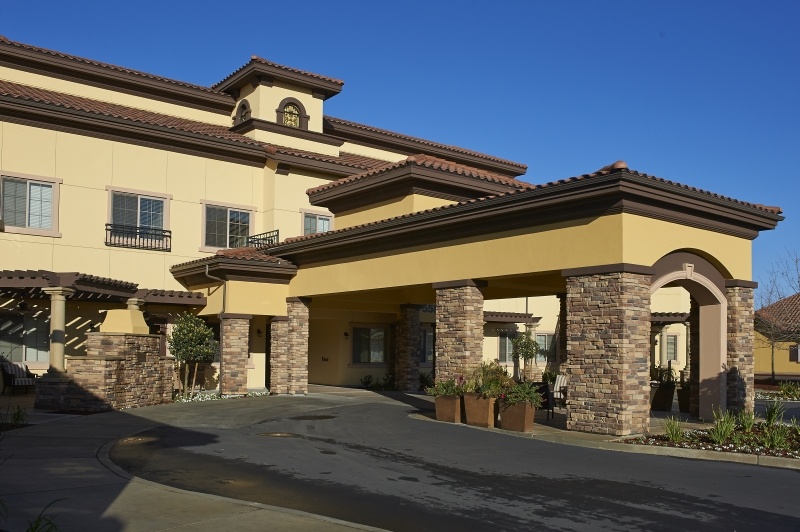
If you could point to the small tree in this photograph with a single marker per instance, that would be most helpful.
(525, 348)
(775, 319)
(192, 341)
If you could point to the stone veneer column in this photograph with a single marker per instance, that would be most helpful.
(297, 367)
(58, 325)
(608, 343)
(459, 328)
(235, 333)
(741, 334)
(279, 355)
(408, 348)
(694, 358)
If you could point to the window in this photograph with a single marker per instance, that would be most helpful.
(27, 203)
(427, 340)
(672, 347)
(506, 351)
(291, 115)
(546, 346)
(369, 345)
(226, 227)
(138, 221)
(25, 338)
(243, 112)
(315, 223)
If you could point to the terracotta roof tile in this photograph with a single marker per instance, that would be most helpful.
(426, 161)
(422, 142)
(784, 313)
(32, 94)
(615, 167)
(9, 42)
(247, 253)
(351, 160)
(261, 60)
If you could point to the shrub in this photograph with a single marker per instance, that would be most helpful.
(444, 387)
(746, 420)
(523, 392)
(724, 425)
(775, 436)
(192, 341)
(774, 412)
(790, 390)
(673, 429)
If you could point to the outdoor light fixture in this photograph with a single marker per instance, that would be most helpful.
(259, 333)
(346, 335)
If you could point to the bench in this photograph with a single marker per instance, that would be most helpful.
(16, 375)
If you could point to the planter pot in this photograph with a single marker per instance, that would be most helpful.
(479, 410)
(448, 408)
(683, 400)
(517, 417)
(662, 398)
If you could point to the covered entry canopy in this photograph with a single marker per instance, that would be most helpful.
(596, 241)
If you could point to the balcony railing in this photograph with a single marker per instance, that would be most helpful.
(263, 240)
(132, 236)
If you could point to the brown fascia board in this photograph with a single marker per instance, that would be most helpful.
(405, 180)
(99, 76)
(408, 146)
(194, 273)
(259, 73)
(564, 201)
(273, 127)
(60, 118)
(172, 297)
(314, 165)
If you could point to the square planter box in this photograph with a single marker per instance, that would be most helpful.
(662, 398)
(448, 408)
(517, 417)
(479, 410)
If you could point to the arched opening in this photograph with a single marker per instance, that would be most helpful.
(292, 113)
(707, 352)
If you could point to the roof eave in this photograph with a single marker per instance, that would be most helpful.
(256, 73)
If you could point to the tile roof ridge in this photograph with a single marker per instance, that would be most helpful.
(79, 59)
(258, 59)
(427, 161)
(424, 141)
(123, 112)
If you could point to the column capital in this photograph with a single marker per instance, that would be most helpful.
(135, 303)
(58, 291)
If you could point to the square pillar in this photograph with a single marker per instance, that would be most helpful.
(406, 367)
(561, 345)
(279, 355)
(459, 328)
(741, 334)
(608, 344)
(235, 351)
(694, 358)
(297, 368)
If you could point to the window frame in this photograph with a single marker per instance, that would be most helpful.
(166, 198)
(550, 340)
(204, 204)
(667, 338)
(55, 183)
(316, 213)
(506, 336)
(386, 344)
(280, 111)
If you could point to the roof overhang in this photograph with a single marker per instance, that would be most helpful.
(618, 191)
(208, 271)
(256, 73)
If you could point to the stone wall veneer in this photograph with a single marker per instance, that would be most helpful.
(408, 349)
(279, 355)
(297, 310)
(459, 330)
(608, 344)
(235, 349)
(741, 333)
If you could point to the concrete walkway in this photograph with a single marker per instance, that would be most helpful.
(62, 461)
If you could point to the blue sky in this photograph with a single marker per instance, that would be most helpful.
(703, 93)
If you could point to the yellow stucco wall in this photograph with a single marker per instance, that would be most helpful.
(243, 297)
(367, 151)
(582, 243)
(762, 353)
(389, 209)
(107, 95)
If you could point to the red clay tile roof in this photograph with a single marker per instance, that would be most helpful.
(32, 94)
(784, 313)
(423, 142)
(615, 167)
(426, 161)
(345, 159)
(261, 60)
(243, 253)
(9, 42)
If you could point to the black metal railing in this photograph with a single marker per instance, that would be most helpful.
(263, 240)
(132, 236)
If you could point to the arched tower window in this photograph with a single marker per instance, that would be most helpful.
(291, 113)
(242, 112)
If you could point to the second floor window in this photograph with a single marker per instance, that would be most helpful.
(226, 227)
(27, 203)
(133, 210)
(316, 223)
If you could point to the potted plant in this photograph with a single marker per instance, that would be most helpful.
(448, 400)
(684, 395)
(518, 405)
(663, 382)
(485, 385)
(525, 348)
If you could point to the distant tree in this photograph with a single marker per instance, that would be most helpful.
(778, 299)
(525, 348)
(192, 341)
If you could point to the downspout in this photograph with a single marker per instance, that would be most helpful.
(224, 305)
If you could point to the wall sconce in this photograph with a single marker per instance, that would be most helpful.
(346, 335)
(259, 333)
